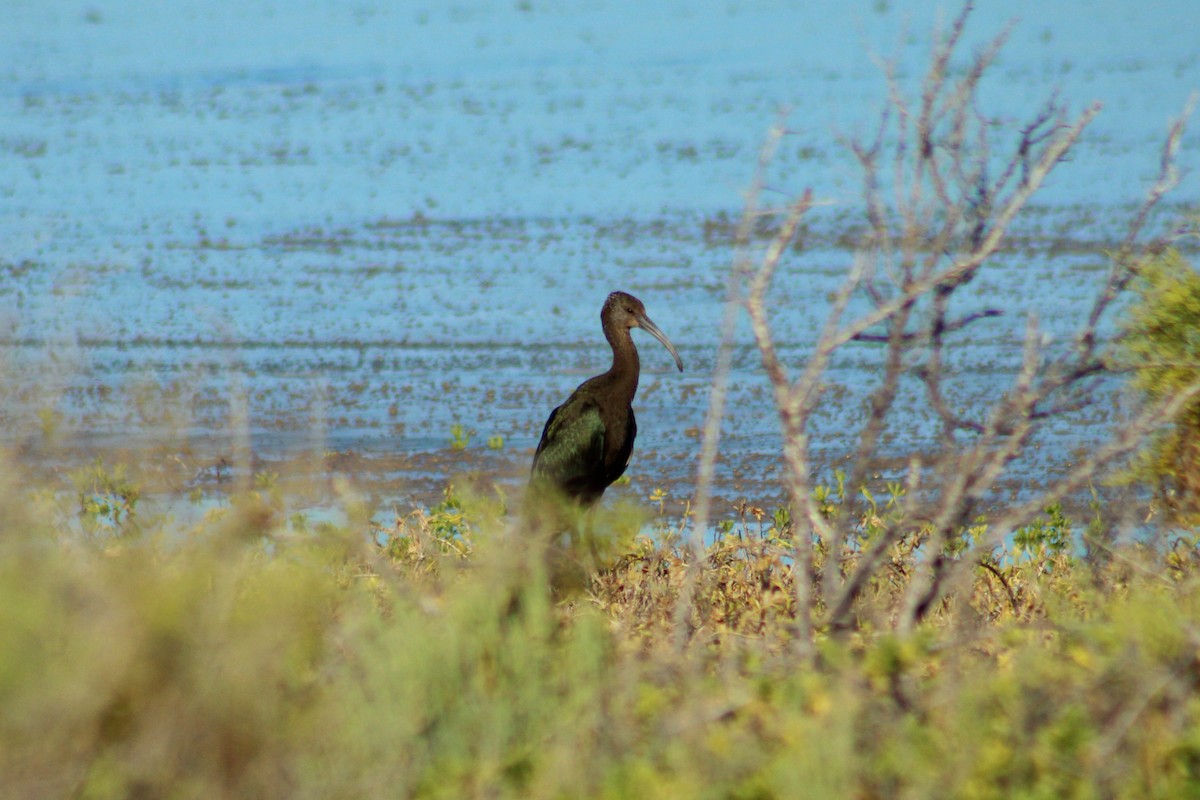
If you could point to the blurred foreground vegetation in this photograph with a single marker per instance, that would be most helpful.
(252, 655)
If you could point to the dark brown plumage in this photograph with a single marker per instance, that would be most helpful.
(588, 440)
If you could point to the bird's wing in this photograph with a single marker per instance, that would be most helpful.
(571, 451)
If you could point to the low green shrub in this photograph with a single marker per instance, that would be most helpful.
(247, 656)
(1161, 345)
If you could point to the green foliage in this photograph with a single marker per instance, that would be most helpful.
(448, 519)
(108, 499)
(1162, 334)
(1048, 536)
(255, 655)
(1161, 342)
(460, 437)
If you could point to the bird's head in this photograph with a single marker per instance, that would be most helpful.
(626, 311)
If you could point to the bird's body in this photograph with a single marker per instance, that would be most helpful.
(586, 443)
(588, 440)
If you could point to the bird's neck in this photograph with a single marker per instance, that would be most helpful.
(626, 366)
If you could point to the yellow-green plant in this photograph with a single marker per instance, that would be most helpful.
(1161, 344)
(247, 655)
(460, 437)
(108, 499)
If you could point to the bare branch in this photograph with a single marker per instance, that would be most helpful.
(756, 295)
(720, 382)
(941, 221)
(1128, 438)
(1123, 266)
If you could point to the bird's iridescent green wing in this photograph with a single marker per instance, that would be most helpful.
(572, 446)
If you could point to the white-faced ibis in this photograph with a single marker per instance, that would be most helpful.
(587, 441)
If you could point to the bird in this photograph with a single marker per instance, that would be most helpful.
(588, 440)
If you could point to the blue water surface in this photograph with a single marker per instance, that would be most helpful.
(376, 220)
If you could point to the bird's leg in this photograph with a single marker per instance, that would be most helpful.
(587, 521)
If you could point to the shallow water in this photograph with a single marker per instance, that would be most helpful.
(344, 227)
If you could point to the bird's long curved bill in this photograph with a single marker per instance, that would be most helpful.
(652, 329)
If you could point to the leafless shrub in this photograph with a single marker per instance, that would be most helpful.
(940, 195)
